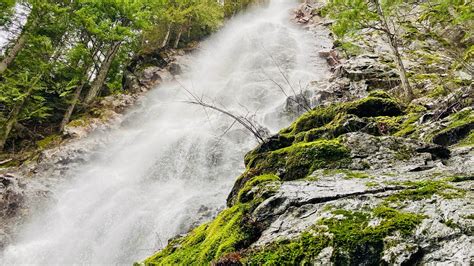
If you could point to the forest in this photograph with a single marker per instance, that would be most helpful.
(62, 55)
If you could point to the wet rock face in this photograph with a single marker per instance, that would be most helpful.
(11, 195)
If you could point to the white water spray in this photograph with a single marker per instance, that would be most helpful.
(171, 167)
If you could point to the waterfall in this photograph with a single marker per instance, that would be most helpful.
(171, 166)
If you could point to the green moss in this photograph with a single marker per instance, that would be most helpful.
(468, 140)
(349, 48)
(331, 121)
(301, 159)
(347, 173)
(356, 242)
(300, 251)
(49, 142)
(408, 126)
(374, 106)
(252, 184)
(460, 178)
(372, 184)
(461, 118)
(360, 175)
(403, 153)
(80, 122)
(459, 128)
(318, 117)
(450, 223)
(341, 124)
(438, 91)
(389, 125)
(425, 76)
(424, 190)
(229, 232)
(380, 94)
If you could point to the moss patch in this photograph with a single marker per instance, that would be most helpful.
(49, 142)
(299, 251)
(460, 127)
(347, 173)
(356, 242)
(329, 118)
(424, 190)
(318, 117)
(253, 184)
(468, 140)
(229, 232)
(301, 159)
(375, 106)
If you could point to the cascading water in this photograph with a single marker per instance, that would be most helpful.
(171, 166)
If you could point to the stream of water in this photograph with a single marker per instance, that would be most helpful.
(171, 166)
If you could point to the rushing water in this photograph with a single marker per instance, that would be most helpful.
(171, 166)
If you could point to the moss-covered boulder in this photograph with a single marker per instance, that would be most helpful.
(300, 159)
(330, 119)
(375, 106)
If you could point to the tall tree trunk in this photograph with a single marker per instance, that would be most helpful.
(167, 36)
(11, 55)
(401, 70)
(178, 37)
(398, 58)
(13, 118)
(72, 106)
(77, 92)
(102, 74)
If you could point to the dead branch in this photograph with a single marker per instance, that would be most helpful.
(253, 127)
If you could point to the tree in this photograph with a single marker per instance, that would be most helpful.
(112, 22)
(376, 15)
(457, 15)
(6, 11)
(24, 88)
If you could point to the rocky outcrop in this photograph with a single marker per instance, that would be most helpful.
(359, 179)
(336, 188)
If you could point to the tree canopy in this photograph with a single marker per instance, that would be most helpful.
(68, 53)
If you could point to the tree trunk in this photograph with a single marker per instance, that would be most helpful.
(402, 71)
(398, 58)
(178, 38)
(11, 55)
(102, 74)
(11, 122)
(70, 109)
(167, 37)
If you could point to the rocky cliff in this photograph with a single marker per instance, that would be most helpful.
(362, 179)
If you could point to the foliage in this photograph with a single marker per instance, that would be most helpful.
(65, 44)
(6, 11)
